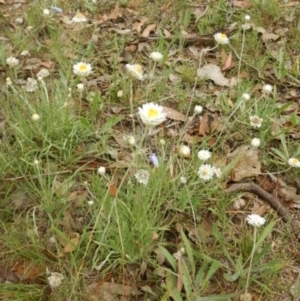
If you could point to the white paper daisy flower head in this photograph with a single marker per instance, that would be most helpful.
(198, 109)
(255, 220)
(12, 61)
(256, 121)
(142, 176)
(79, 18)
(267, 89)
(184, 151)
(204, 155)
(152, 114)
(156, 56)
(221, 38)
(135, 71)
(82, 69)
(255, 142)
(294, 162)
(206, 172)
(245, 96)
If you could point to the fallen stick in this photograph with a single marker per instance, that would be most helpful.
(270, 199)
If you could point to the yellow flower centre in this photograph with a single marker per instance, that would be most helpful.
(223, 36)
(295, 161)
(83, 67)
(152, 113)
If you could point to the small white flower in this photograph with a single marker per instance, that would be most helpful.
(206, 172)
(255, 142)
(179, 253)
(267, 89)
(255, 121)
(198, 109)
(183, 180)
(204, 155)
(221, 38)
(142, 176)
(184, 151)
(36, 162)
(245, 96)
(19, 20)
(43, 73)
(152, 114)
(294, 162)
(130, 140)
(120, 93)
(46, 12)
(12, 61)
(25, 53)
(255, 220)
(101, 170)
(90, 203)
(31, 85)
(79, 18)
(55, 279)
(136, 71)
(247, 18)
(82, 69)
(8, 81)
(80, 87)
(28, 28)
(162, 142)
(154, 160)
(35, 117)
(156, 56)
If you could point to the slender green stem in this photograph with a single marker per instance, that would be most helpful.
(251, 260)
(241, 54)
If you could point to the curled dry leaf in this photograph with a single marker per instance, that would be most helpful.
(246, 163)
(148, 30)
(214, 73)
(173, 114)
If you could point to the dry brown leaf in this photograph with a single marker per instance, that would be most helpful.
(242, 4)
(148, 30)
(27, 272)
(214, 73)
(174, 115)
(138, 25)
(174, 79)
(247, 163)
(167, 33)
(72, 243)
(228, 62)
(112, 188)
(204, 125)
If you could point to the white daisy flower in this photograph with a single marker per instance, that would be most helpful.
(184, 151)
(79, 18)
(183, 180)
(162, 142)
(204, 155)
(12, 61)
(156, 56)
(294, 162)
(55, 279)
(267, 89)
(130, 139)
(255, 121)
(35, 117)
(221, 38)
(142, 176)
(8, 81)
(245, 96)
(198, 109)
(46, 12)
(136, 71)
(206, 172)
(247, 18)
(90, 203)
(101, 170)
(80, 87)
(255, 220)
(152, 114)
(82, 69)
(255, 142)
(36, 162)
